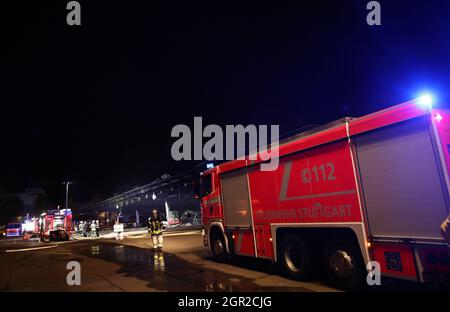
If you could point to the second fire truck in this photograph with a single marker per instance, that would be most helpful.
(55, 225)
(374, 188)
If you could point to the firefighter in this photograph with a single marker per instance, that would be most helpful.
(93, 228)
(155, 228)
(445, 229)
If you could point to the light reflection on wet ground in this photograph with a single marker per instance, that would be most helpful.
(167, 272)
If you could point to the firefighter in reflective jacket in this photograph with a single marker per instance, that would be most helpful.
(155, 229)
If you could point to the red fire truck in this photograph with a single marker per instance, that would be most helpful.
(55, 225)
(374, 188)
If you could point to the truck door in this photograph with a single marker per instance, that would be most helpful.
(210, 197)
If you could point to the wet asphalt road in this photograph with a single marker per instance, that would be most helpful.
(131, 265)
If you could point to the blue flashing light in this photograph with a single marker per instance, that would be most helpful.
(425, 100)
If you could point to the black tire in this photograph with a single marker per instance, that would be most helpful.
(344, 265)
(218, 248)
(296, 258)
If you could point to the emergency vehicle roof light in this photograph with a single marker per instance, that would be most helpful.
(425, 100)
(438, 117)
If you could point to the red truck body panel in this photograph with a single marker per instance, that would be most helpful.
(314, 186)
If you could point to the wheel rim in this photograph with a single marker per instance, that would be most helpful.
(293, 258)
(341, 264)
(218, 247)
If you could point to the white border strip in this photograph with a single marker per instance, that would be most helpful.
(30, 249)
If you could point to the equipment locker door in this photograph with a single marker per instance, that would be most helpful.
(402, 188)
(236, 200)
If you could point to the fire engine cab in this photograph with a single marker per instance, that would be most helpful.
(373, 188)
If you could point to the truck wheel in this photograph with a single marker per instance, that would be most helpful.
(296, 258)
(344, 265)
(218, 248)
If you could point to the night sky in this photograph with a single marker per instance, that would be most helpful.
(96, 103)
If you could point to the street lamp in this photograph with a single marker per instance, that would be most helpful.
(67, 183)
